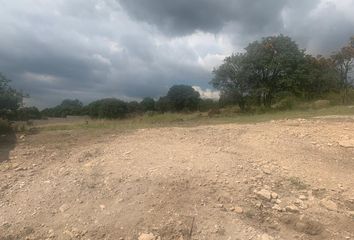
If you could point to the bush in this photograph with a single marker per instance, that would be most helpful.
(108, 108)
(150, 113)
(66, 108)
(134, 107)
(335, 98)
(260, 109)
(231, 110)
(5, 126)
(205, 105)
(20, 127)
(286, 103)
(28, 113)
(147, 104)
(213, 112)
(163, 105)
(350, 96)
(321, 104)
(340, 98)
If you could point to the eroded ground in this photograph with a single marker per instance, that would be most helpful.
(289, 179)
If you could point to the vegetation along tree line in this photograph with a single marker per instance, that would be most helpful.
(271, 73)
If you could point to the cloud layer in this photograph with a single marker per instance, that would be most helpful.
(130, 49)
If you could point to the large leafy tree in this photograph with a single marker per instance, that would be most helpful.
(134, 107)
(232, 79)
(343, 61)
(265, 69)
(108, 108)
(315, 77)
(65, 108)
(27, 113)
(10, 99)
(271, 64)
(69, 103)
(148, 104)
(183, 97)
(163, 105)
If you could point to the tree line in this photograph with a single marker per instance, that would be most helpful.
(267, 73)
(179, 98)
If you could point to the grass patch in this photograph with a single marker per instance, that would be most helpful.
(297, 183)
(192, 119)
(250, 213)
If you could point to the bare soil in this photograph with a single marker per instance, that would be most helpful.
(288, 179)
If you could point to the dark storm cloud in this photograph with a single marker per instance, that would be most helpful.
(185, 16)
(90, 49)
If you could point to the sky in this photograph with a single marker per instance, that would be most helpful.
(131, 49)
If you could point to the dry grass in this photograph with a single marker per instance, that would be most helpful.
(185, 120)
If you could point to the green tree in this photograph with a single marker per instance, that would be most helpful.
(266, 68)
(65, 108)
(232, 80)
(71, 107)
(134, 107)
(73, 104)
(270, 65)
(343, 61)
(163, 105)
(183, 97)
(28, 113)
(315, 77)
(110, 108)
(148, 104)
(207, 104)
(10, 99)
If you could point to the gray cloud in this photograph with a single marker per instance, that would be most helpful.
(90, 49)
(183, 17)
(323, 30)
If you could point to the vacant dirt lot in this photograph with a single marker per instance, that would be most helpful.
(289, 179)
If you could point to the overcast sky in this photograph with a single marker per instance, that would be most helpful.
(129, 49)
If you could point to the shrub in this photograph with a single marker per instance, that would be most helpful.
(27, 113)
(205, 105)
(67, 107)
(20, 127)
(5, 126)
(134, 107)
(286, 103)
(230, 110)
(335, 98)
(108, 108)
(350, 96)
(163, 105)
(147, 104)
(321, 104)
(213, 112)
(150, 113)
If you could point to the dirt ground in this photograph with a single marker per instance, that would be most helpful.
(287, 179)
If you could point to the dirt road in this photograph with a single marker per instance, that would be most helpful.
(289, 179)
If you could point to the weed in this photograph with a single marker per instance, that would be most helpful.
(297, 183)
